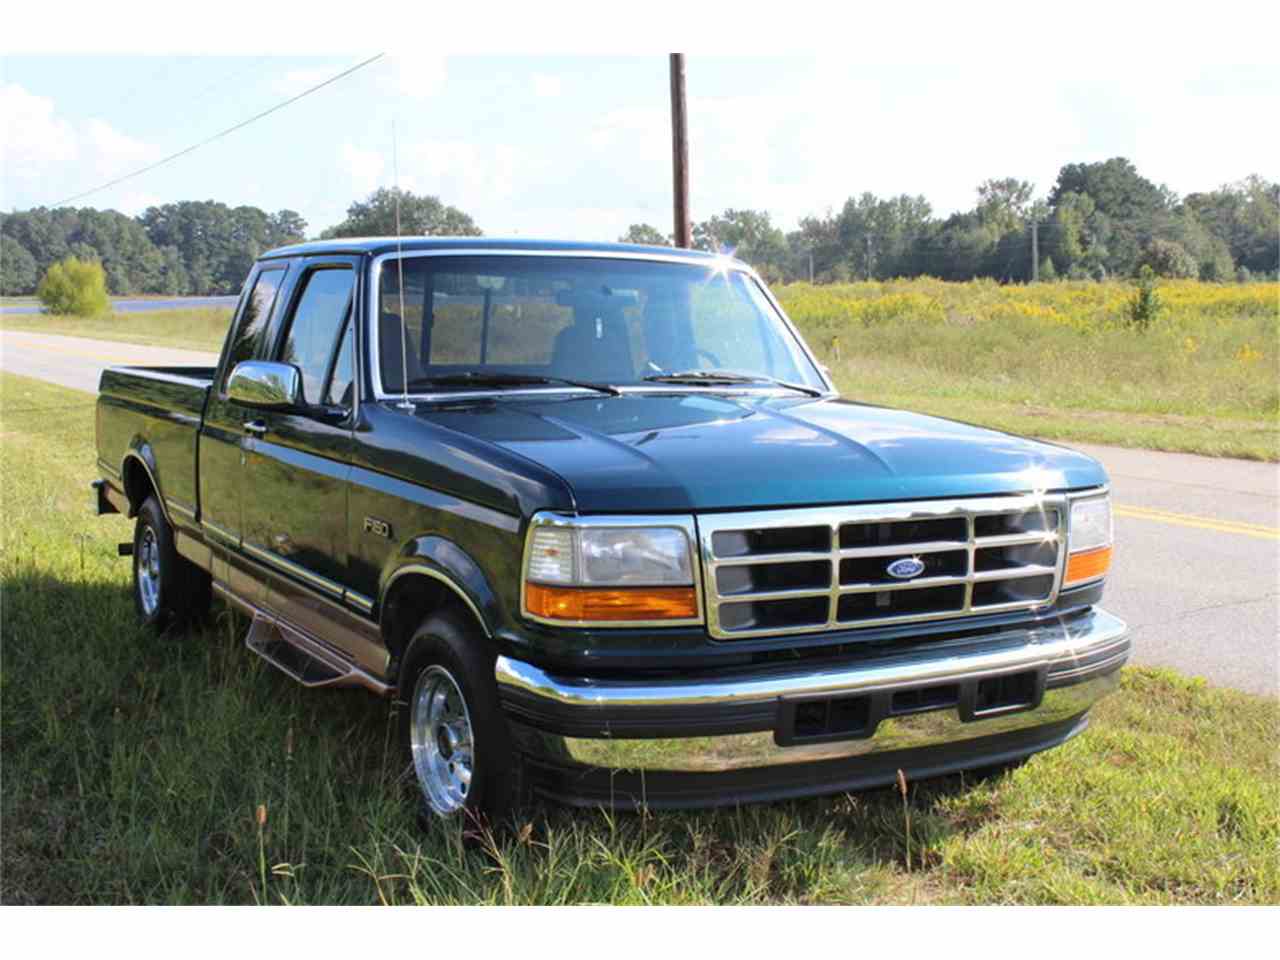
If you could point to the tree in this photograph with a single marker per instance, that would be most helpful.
(748, 235)
(77, 287)
(1134, 208)
(643, 233)
(17, 267)
(1167, 258)
(419, 216)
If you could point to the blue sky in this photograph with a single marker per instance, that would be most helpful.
(579, 147)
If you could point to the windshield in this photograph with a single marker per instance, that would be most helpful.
(613, 321)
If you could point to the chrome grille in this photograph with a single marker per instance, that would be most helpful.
(774, 572)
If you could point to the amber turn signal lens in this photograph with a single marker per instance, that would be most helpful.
(1088, 565)
(631, 603)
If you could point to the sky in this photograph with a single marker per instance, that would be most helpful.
(579, 147)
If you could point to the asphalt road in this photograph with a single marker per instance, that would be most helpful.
(1197, 569)
(126, 305)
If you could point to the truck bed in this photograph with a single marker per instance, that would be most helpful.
(154, 413)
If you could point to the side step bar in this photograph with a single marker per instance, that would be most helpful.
(294, 655)
(298, 655)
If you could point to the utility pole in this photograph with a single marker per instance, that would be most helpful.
(869, 256)
(683, 234)
(811, 268)
(1035, 249)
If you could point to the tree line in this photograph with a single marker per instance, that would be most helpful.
(190, 248)
(1099, 220)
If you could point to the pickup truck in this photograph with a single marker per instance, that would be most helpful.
(598, 522)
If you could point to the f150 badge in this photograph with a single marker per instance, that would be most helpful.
(906, 568)
(377, 527)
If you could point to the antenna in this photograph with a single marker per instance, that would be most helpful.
(404, 403)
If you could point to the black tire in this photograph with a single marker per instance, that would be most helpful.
(168, 590)
(445, 649)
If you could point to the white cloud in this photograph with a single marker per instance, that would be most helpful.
(364, 167)
(293, 82)
(43, 154)
(419, 76)
(546, 85)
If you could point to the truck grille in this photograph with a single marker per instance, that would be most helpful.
(828, 568)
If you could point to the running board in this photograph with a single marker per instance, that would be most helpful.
(300, 657)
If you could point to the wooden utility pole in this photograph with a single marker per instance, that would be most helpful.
(1035, 249)
(683, 234)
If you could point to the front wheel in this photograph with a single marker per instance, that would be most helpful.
(452, 728)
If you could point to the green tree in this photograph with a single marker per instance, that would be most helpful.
(644, 234)
(748, 235)
(1167, 258)
(77, 287)
(17, 267)
(419, 216)
(1133, 207)
(1048, 272)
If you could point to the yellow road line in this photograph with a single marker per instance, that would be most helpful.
(1203, 523)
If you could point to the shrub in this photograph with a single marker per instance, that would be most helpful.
(1145, 305)
(77, 287)
(1167, 258)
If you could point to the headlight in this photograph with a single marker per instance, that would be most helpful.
(617, 571)
(1089, 540)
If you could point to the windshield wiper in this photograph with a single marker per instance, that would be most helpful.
(728, 376)
(476, 378)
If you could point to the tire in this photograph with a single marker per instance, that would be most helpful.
(452, 731)
(167, 589)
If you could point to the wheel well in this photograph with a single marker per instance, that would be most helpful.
(137, 484)
(412, 597)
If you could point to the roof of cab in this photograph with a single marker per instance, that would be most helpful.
(379, 245)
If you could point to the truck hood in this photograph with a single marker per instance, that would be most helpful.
(704, 451)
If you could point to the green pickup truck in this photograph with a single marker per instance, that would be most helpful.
(599, 522)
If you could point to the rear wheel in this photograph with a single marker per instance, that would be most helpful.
(167, 588)
(454, 735)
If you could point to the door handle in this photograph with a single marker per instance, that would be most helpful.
(256, 427)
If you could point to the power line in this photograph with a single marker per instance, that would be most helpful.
(220, 135)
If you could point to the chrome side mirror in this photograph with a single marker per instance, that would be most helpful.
(273, 386)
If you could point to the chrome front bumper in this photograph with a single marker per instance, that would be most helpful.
(706, 741)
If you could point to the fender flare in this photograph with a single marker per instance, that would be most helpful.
(140, 451)
(444, 561)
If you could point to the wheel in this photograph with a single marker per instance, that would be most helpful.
(452, 729)
(167, 589)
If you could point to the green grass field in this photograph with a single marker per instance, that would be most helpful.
(132, 768)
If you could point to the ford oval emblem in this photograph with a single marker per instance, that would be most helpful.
(906, 568)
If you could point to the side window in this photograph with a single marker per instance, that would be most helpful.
(344, 373)
(247, 338)
(320, 314)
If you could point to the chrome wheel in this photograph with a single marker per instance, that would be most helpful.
(441, 740)
(149, 571)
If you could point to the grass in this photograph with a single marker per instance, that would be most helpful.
(134, 768)
(200, 329)
(1058, 360)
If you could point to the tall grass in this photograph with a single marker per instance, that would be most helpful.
(1059, 359)
(182, 769)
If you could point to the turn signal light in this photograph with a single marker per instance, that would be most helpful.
(1088, 565)
(631, 603)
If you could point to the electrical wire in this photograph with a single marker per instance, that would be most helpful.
(220, 135)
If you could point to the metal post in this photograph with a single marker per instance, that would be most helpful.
(683, 235)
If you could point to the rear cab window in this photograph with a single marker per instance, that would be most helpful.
(317, 340)
(247, 337)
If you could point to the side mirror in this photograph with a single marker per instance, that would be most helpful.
(272, 386)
